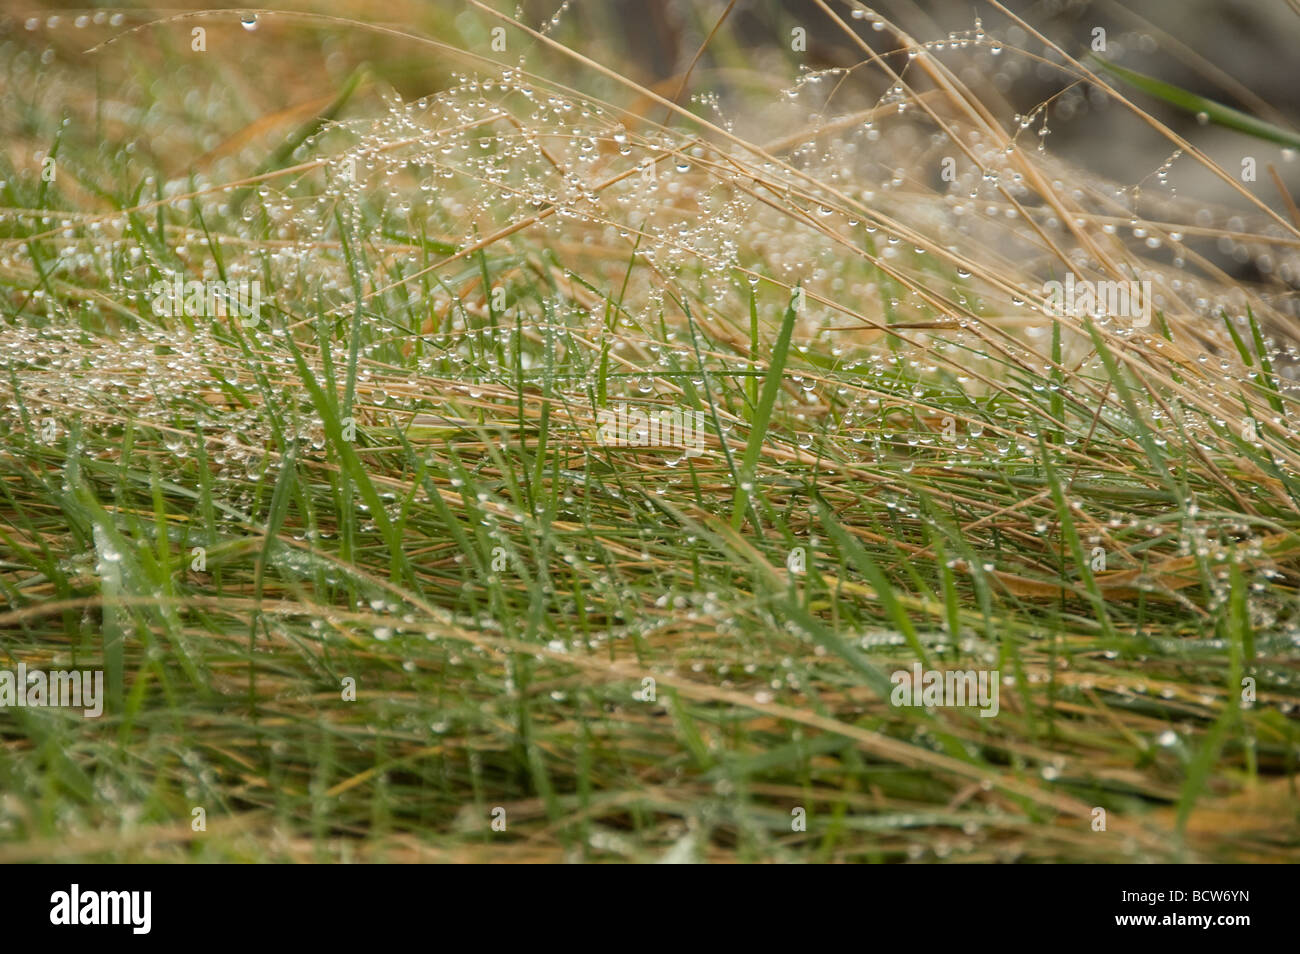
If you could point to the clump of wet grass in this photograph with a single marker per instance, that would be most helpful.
(363, 572)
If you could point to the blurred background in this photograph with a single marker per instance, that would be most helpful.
(254, 85)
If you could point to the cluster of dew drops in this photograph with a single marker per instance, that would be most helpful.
(485, 153)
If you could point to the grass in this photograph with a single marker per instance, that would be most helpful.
(366, 584)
